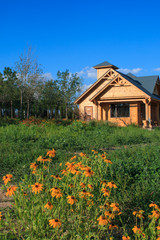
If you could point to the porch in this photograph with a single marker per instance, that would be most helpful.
(123, 112)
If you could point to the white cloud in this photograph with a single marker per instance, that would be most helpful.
(47, 76)
(157, 69)
(85, 87)
(88, 72)
(126, 70)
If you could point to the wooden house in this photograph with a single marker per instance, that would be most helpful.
(121, 98)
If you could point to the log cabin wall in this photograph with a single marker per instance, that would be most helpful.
(114, 87)
(134, 116)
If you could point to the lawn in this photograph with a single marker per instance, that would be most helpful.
(134, 153)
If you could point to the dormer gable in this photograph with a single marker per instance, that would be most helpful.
(102, 68)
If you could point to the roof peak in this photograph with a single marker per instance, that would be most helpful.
(105, 64)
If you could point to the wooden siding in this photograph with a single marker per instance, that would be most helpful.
(112, 88)
(122, 91)
(100, 72)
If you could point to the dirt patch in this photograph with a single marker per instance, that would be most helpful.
(4, 200)
(5, 204)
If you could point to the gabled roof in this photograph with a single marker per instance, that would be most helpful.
(148, 82)
(98, 80)
(105, 65)
(132, 81)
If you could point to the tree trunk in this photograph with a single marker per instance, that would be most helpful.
(28, 109)
(66, 113)
(11, 109)
(21, 104)
(51, 113)
(47, 113)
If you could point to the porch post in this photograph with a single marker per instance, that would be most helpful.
(157, 113)
(104, 113)
(147, 110)
(149, 115)
(146, 113)
(99, 111)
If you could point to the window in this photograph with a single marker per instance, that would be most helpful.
(120, 110)
(143, 111)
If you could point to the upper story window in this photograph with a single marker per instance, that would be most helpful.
(120, 110)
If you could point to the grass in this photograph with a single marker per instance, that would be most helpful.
(136, 165)
(21, 144)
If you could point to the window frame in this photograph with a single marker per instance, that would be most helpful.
(116, 110)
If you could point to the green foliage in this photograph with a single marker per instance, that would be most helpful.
(133, 151)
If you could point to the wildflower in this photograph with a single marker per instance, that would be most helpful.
(0, 216)
(70, 185)
(109, 214)
(37, 187)
(154, 205)
(71, 167)
(11, 190)
(48, 206)
(136, 230)
(82, 154)
(125, 238)
(56, 192)
(7, 178)
(105, 206)
(71, 200)
(112, 226)
(64, 172)
(39, 159)
(138, 214)
(56, 177)
(104, 183)
(43, 159)
(105, 191)
(90, 203)
(77, 172)
(55, 223)
(88, 172)
(111, 185)
(85, 194)
(103, 156)
(33, 165)
(102, 220)
(115, 207)
(90, 186)
(82, 185)
(73, 158)
(158, 227)
(60, 164)
(107, 161)
(34, 171)
(95, 152)
(46, 167)
(51, 153)
(155, 214)
(80, 166)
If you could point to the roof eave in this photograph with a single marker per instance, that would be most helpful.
(107, 66)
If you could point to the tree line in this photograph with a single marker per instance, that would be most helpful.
(25, 92)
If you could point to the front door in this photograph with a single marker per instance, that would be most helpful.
(88, 113)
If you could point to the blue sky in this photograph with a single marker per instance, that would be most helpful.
(77, 35)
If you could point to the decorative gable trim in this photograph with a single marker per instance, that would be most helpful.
(106, 75)
(117, 81)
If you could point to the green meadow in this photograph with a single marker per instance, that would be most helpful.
(134, 153)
